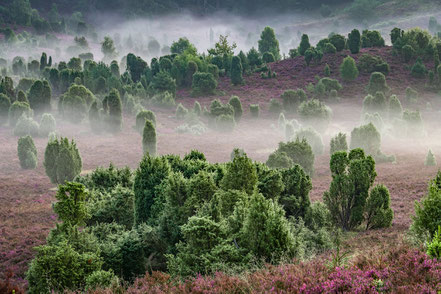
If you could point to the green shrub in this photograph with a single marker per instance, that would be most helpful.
(21, 97)
(279, 160)
(338, 143)
(326, 85)
(371, 39)
(411, 95)
(368, 64)
(300, 153)
(149, 138)
(236, 71)
(163, 82)
(217, 109)
(142, 116)
(26, 126)
(427, 216)
(113, 107)
(373, 104)
(275, 107)
(237, 106)
(348, 69)
(316, 114)
(352, 176)
(304, 45)
(430, 159)
(40, 96)
(338, 41)
(269, 43)
(413, 122)
(375, 119)
(95, 119)
(354, 41)
(164, 99)
(367, 138)
(419, 69)
(115, 206)
(5, 104)
(313, 138)
(378, 211)
(313, 54)
(377, 83)
(149, 175)
(74, 103)
(327, 71)
(329, 49)
(197, 109)
(203, 84)
(408, 53)
(16, 110)
(62, 161)
(47, 125)
(292, 99)
(225, 123)
(254, 110)
(434, 246)
(27, 153)
(293, 53)
(395, 108)
(181, 112)
(268, 57)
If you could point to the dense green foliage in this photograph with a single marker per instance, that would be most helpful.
(348, 69)
(338, 143)
(149, 138)
(300, 152)
(268, 43)
(62, 160)
(292, 99)
(27, 153)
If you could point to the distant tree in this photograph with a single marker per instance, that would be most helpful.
(378, 211)
(163, 82)
(304, 44)
(141, 118)
(430, 159)
(354, 41)
(62, 160)
(237, 106)
(108, 48)
(5, 104)
(136, 66)
(240, 174)
(47, 125)
(203, 83)
(223, 47)
(338, 41)
(269, 43)
(339, 143)
(40, 96)
(27, 153)
(183, 45)
(149, 138)
(352, 176)
(16, 110)
(300, 153)
(348, 69)
(112, 103)
(254, 58)
(377, 83)
(236, 71)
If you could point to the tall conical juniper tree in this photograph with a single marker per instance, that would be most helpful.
(114, 108)
(62, 160)
(149, 175)
(352, 176)
(354, 41)
(149, 138)
(236, 71)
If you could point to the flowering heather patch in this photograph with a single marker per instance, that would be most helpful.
(400, 270)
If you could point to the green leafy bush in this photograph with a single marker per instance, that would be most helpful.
(419, 69)
(378, 211)
(113, 107)
(329, 49)
(371, 39)
(27, 153)
(268, 57)
(338, 41)
(225, 123)
(62, 160)
(5, 104)
(348, 69)
(268, 43)
(316, 114)
(47, 125)
(369, 63)
(75, 102)
(300, 153)
(408, 53)
(367, 138)
(142, 116)
(163, 82)
(279, 160)
(26, 126)
(313, 138)
(254, 110)
(203, 84)
(16, 110)
(434, 246)
(411, 95)
(304, 45)
(237, 106)
(338, 143)
(236, 71)
(395, 108)
(352, 176)
(427, 216)
(354, 41)
(377, 83)
(181, 112)
(149, 138)
(374, 104)
(292, 99)
(430, 159)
